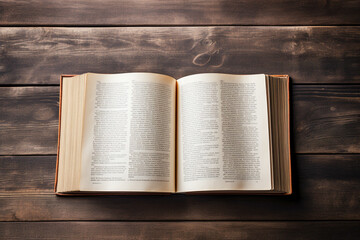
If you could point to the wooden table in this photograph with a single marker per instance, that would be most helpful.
(316, 42)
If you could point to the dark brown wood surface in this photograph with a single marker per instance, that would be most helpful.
(181, 230)
(316, 42)
(307, 54)
(188, 12)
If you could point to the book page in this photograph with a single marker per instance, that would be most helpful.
(129, 133)
(223, 133)
(72, 100)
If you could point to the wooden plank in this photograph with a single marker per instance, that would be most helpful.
(27, 174)
(326, 187)
(199, 12)
(28, 120)
(307, 54)
(325, 119)
(181, 230)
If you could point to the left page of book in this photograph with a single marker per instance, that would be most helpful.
(128, 141)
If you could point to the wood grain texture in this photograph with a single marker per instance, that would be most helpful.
(325, 119)
(181, 230)
(29, 120)
(326, 187)
(307, 54)
(157, 12)
(27, 174)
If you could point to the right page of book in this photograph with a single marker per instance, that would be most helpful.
(222, 133)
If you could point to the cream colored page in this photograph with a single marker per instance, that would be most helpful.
(223, 137)
(129, 133)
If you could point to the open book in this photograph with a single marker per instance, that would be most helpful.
(150, 133)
